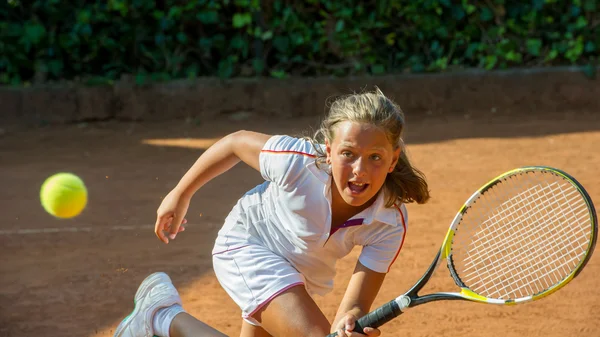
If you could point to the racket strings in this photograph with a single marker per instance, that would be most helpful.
(536, 217)
(488, 224)
(495, 244)
(471, 265)
(527, 234)
(511, 276)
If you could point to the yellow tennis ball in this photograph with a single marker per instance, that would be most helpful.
(63, 195)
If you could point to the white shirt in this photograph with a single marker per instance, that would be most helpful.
(290, 214)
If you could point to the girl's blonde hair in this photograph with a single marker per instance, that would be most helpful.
(405, 183)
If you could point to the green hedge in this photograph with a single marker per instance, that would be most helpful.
(100, 40)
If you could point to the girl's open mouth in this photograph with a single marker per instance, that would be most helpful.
(357, 188)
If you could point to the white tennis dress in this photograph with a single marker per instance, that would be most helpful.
(278, 235)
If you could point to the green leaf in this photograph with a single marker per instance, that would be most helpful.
(534, 46)
(174, 12)
(84, 16)
(34, 32)
(258, 65)
(590, 47)
(242, 3)
(377, 69)
(225, 68)
(486, 14)
(551, 55)
(458, 12)
(181, 37)
(55, 67)
(267, 35)
(390, 39)
(469, 8)
(513, 56)
(490, 61)
(575, 50)
(538, 4)
(208, 17)
(472, 49)
(440, 64)
(238, 42)
(442, 32)
(435, 46)
(241, 19)
(581, 22)
(278, 74)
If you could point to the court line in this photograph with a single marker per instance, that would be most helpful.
(89, 229)
(77, 229)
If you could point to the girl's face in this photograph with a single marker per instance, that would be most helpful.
(360, 156)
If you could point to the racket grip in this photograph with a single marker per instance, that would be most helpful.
(376, 318)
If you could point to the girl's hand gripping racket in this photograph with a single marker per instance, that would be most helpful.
(520, 237)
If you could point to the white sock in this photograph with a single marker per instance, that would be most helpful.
(163, 318)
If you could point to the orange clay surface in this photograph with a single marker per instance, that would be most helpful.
(77, 277)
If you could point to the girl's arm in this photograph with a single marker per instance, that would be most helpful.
(220, 157)
(360, 294)
(217, 159)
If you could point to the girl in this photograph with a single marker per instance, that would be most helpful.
(322, 196)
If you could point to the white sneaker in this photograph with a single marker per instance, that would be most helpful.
(155, 292)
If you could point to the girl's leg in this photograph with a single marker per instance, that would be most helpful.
(185, 325)
(292, 313)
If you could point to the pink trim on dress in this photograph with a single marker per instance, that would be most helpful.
(349, 223)
(229, 250)
(403, 236)
(289, 152)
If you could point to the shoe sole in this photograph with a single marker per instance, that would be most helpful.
(147, 284)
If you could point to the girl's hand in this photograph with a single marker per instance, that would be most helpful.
(346, 325)
(170, 216)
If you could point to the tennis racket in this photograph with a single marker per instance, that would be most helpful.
(519, 238)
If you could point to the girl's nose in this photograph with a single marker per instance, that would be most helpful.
(359, 167)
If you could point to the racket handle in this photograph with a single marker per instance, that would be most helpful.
(376, 318)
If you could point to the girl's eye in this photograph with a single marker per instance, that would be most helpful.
(347, 154)
(376, 157)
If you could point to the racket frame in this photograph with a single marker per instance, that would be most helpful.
(467, 293)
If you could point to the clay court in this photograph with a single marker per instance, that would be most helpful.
(77, 277)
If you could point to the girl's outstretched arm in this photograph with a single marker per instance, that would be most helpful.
(360, 294)
(220, 157)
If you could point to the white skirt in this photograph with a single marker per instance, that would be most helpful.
(250, 273)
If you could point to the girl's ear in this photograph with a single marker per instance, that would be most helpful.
(396, 157)
(328, 151)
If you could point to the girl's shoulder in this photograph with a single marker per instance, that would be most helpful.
(293, 145)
